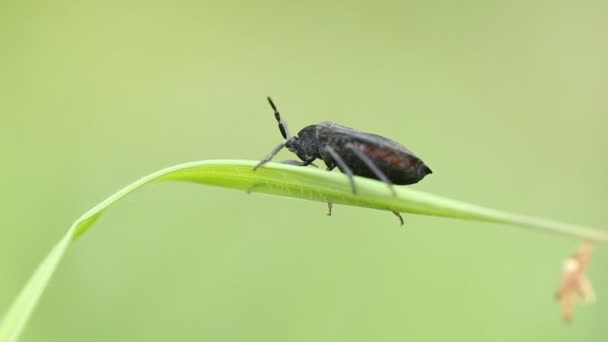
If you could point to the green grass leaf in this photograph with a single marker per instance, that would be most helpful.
(282, 180)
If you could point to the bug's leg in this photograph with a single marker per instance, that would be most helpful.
(309, 162)
(299, 163)
(342, 165)
(329, 207)
(271, 154)
(370, 164)
(399, 216)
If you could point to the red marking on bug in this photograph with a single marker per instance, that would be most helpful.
(387, 156)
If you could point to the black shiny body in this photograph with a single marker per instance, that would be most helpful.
(354, 152)
(398, 163)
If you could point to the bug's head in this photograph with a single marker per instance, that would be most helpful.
(304, 144)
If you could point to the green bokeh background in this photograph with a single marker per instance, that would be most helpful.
(506, 101)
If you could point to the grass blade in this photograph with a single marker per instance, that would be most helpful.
(282, 180)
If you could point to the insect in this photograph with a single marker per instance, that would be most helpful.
(353, 152)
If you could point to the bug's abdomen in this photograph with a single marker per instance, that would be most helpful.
(395, 161)
(400, 167)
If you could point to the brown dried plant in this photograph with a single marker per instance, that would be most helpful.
(575, 282)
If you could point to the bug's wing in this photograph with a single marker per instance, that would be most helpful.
(365, 138)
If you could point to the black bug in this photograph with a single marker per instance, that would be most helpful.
(354, 152)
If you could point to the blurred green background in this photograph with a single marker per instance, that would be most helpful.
(506, 101)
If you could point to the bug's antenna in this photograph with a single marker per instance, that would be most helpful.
(282, 124)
